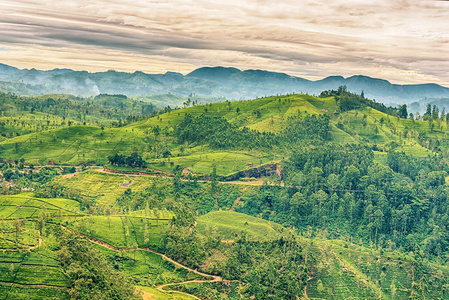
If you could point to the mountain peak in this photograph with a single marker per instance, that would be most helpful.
(334, 78)
(363, 78)
(5, 69)
(220, 73)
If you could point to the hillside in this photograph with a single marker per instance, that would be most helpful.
(339, 269)
(152, 137)
(281, 197)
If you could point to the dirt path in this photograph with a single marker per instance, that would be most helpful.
(109, 246)
(253, 183)
(160, 288)
(53, 287)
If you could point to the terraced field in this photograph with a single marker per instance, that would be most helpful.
(123, 231)
(33, 274)
(345, 270)
(25, 205)
(29, 267)
(231, 225)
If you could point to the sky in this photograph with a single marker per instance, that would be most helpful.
(402, 41)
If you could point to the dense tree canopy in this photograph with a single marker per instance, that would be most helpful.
(89, 273)
(220, 134)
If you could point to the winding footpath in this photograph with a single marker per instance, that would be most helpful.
(169, 175)
(161, 287)
(45, 286)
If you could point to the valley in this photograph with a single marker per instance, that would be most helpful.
(282, 197)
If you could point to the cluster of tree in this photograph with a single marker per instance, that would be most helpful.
(349, 101)
(341, 189)
(310, 127)
(111, 108)
(134, 160)
(433, 113)
(412, 167)
(20, 176)
(90, 275)
(268, 270)
(220, 134)
(433, 116)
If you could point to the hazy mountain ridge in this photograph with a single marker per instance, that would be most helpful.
(230, 83)
(421, 106)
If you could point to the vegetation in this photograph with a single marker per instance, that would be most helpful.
(88, 273)
(282, 197)
(111, 109)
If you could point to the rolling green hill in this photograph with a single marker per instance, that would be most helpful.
(350, 201)
(152, 137)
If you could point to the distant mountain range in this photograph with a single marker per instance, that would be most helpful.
(220, 82)
(421, 106)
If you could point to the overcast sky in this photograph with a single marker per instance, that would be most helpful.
(402, 41)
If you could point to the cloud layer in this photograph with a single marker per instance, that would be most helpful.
(401, 40)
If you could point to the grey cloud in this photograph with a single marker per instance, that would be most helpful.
(400, 35)
(140, 41)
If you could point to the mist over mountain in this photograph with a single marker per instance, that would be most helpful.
(229, 83)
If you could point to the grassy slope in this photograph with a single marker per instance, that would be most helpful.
(25, 205)
(37, 267)
(149, 293)
(232, 224)
(78, 144)
(344, 270)
(25, 123)
(102, 188)
(121, 231)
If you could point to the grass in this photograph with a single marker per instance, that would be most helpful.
(340, 271)
(77, 143)
(27, 208)
(39, 267)
(37, 275)
(73, 144)
(148, 293)
(25, 123)
(226, 162)
(102, 188)
(233, 224)
(25, 205)
(32, 271)
(9, 240)
(32, 293)
(121, 231)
